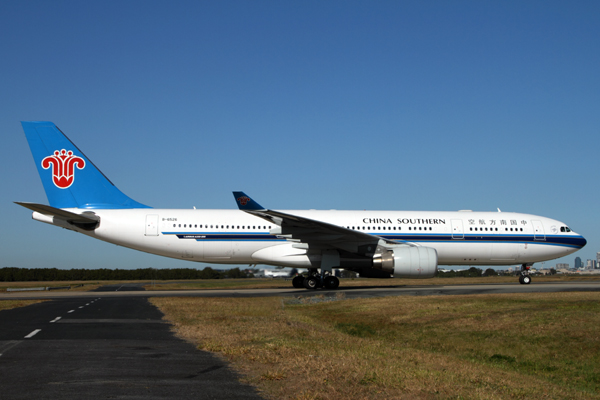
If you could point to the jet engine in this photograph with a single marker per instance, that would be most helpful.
(405, 261)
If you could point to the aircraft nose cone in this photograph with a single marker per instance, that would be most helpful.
(582, 242)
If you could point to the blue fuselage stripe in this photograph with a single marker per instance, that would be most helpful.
(551, 240)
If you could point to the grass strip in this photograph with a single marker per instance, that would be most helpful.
(9, 304)
(76, 286)
(506, 346)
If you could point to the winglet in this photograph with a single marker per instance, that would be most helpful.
(245, 203)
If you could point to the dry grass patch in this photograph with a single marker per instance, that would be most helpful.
(78, 286)
(8, 304)
(490, 346)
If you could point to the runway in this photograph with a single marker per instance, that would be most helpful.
(98, 348)
(137, 290)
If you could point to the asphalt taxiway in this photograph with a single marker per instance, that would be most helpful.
(99, 348)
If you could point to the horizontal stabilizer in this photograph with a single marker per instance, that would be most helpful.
(85, 218)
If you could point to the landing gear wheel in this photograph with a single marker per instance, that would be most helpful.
(311, 282)
(298, 282)
(521, 279)
(331, 282)
(319, 282)
(526, 279)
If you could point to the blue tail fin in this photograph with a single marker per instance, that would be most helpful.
(70, 179)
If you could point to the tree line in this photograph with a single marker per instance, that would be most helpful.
(468, 273)
(477, 272)
(80, 274)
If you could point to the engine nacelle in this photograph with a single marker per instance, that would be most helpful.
(404, 261)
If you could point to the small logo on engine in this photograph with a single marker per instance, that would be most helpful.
(63, 165)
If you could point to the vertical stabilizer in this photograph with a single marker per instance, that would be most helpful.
(70, 179)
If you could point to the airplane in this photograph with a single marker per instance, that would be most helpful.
(377, 244)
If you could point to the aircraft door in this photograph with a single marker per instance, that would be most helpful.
(457, 229)
(152, 225)
(538, 230)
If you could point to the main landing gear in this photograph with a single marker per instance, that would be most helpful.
(316, 280)
(524, 277)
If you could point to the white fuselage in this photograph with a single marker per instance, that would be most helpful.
(236, 237)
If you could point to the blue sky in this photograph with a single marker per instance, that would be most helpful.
(387, 105)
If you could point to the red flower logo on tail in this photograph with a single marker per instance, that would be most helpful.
(243, 200)
(63, 165)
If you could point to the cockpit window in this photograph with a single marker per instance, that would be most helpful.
(565, 229)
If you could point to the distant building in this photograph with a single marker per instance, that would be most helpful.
(562, 266)
(590, 264)
(598, 260)
(578, 263)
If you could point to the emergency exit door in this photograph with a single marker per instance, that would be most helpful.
(538, 230)
(152, 225)
(457, 229)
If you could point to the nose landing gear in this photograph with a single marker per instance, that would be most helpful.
(524, 277)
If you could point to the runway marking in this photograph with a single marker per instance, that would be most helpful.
(32, 334)
(68, 312)
(55, 319)
(81, 307)
(88, 304)
(9, 345)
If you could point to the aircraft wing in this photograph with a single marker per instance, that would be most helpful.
(313, 233)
